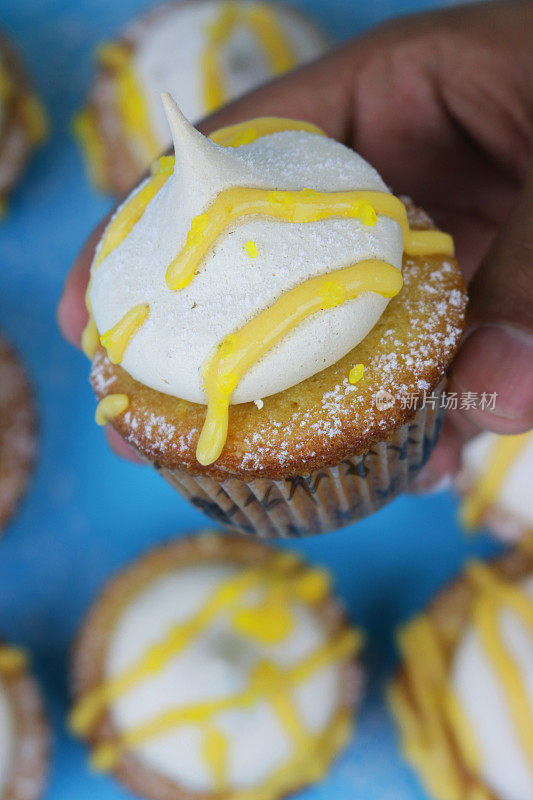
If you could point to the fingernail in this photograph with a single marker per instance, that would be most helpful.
(498, 360)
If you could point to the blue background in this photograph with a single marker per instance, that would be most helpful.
(86, 512)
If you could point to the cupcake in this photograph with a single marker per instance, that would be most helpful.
(495, 484)
(205, 53)
(23, 730)
(22, 120)
(241, 332)
(215, 667)
(463, 695)
(17, 432)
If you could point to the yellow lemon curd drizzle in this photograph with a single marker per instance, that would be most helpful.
(483, 494)
(215, 752)
(28, 107)
(6, 84)
(131, 102)
(306, 765)
(279, 572)
(356, 373)
(110, 407)
(239, 351)
(13, 661)
(86, 131)
(117, 230)
(282, 577)
(437, 734)
(269, 622)
(35, 117)
(270, 37)
(116, 339)
(264, 683)
(299, 207)
(247, 132)
(496, 595)
(90, 338)
(432, 737)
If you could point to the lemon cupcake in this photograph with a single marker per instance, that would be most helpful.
(463, 695)
(23, 730)
(215, 667)
(495, 484)
(242, 336)
(205, 53)
(22, 119)
(17, 432)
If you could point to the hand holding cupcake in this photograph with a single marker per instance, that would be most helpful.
(262, 271)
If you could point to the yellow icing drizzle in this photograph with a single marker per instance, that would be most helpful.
(6, 84)
(131, 103)
(483, 494)
(251, 249)
(13, 661)
(261, 685)
(268, 622)
(494, 596)
(247, 132)
(131, 212)
(90, 339)
(437, 735)
(431, 719)
(86, 131)
(283, 579)
(86, 712)
(299, 207)
(110, 407)
(215, 753)
(117, 230)
(35, 118)
(117, 338)
(270, 37)
(27, 107)
(237, 352)
(356, 373)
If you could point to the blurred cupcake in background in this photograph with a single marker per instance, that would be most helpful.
(463, 694)
(23, 122)
(216, 668)
(496, 484)
(24, 738)
(205, 53)
(18, 432)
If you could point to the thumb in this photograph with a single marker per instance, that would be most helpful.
(496, 358)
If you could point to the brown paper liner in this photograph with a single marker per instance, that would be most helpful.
(327, 498)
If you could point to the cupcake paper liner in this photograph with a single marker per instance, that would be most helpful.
(327, 498)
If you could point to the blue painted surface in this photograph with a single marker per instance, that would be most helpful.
(86, 512)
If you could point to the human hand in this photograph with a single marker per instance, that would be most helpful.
(442, 105)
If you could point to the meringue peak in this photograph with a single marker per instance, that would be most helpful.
(195, 153)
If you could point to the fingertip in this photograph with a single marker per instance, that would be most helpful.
(71, 312)
(120, 447)
(493, 376)
(436, 475)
